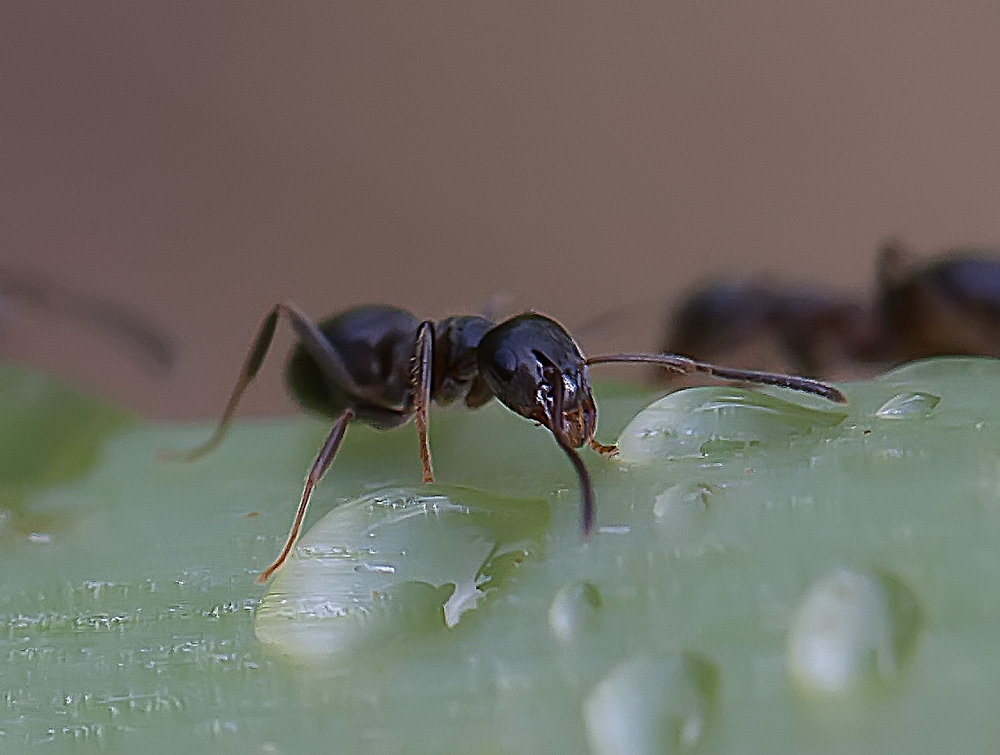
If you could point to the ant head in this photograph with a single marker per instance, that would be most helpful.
(534, 368)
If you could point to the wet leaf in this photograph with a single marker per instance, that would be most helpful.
(470, 616)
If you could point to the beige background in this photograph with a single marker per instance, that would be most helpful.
(201, 161)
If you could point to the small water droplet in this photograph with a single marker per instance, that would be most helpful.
(465, 597)
(908, 405)
(679, 500)
(646, 705)
(573, 610)
(325, 551)
(852, 629)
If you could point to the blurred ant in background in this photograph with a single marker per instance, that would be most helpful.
(806, 331)
(948, 306)
(141, 339)
(43, 444)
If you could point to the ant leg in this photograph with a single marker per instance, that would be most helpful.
(319, 467)
(607, 452)
(254, 360)
(115, 320)
(310, 336)
(112, 318)
(586, 488)
(423, 361)
(687, 366)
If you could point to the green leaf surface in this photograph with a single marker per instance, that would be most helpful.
(768, 574)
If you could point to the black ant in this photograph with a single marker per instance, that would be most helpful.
(807, 330)
(381, 365)
(948, 305)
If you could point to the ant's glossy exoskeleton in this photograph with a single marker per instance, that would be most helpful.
(381, 365)
(948, 305)
(804, 330)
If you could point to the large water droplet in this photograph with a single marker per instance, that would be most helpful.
(717, 421)
(394, 563)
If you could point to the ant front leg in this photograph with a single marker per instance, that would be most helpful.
(316, 472)
(607, 451)
(587, 506)
(423, 361)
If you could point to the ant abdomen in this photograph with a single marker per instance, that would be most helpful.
(367, 344)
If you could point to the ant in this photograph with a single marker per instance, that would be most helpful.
(949, 305)
(806, 330)
(946, 306)
(381, 365)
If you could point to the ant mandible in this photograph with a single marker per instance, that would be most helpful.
(381, 365)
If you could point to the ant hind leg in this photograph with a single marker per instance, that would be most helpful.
(251, 366)
(316, 472)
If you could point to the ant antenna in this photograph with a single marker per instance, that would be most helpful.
(688, 366)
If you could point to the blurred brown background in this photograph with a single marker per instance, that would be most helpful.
(200, 162)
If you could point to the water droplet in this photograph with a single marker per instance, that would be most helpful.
(908, 405)
(647, 705)
(681, 500)
(397, 562)
(573, 610)
(851, 630)
(717, 421)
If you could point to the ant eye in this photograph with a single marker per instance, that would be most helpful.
(504, 363)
